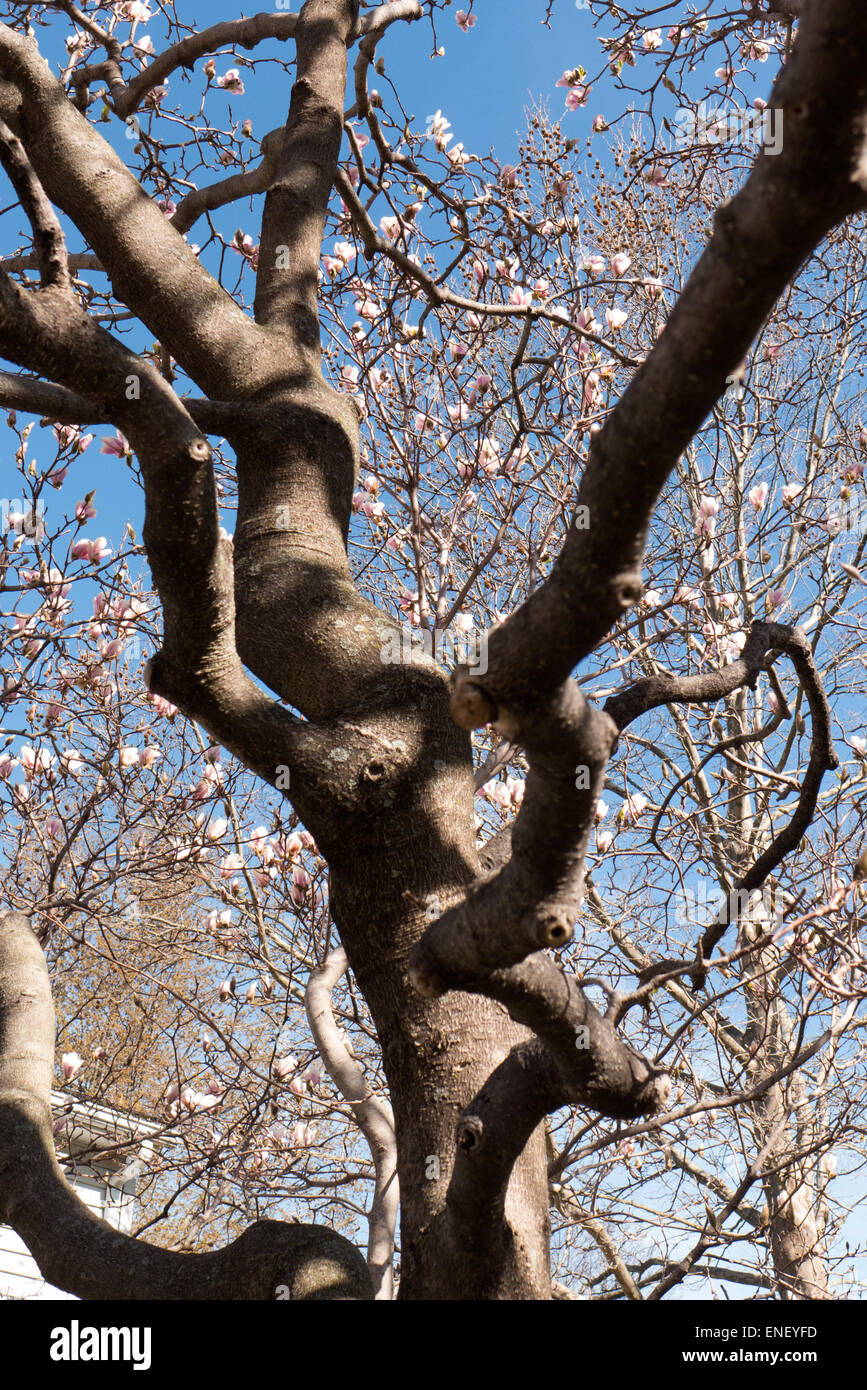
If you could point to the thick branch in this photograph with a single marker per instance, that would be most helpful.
(648, 694)
(151, 268)
(231, 33)
(48, 243)
(198, 668)
(761, 239)
(229, 190)
(294, 216)
(77, 1251)
(532, 901)
(64, 407)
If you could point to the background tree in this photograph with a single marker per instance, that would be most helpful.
(437, 389)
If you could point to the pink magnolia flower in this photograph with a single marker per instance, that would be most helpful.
(227, 990)
(194, 1100)
(523, 298)
(164, 707)
(245, 246)
(129, 756)
(71, 1064)
(599, 124)
(652, 39)
(595, 264)
(601, 810)
(148, 756)
(708, 511)
(633, 807)
(615, 318)
(118, 445)
(571, 78)
(284, 1067)
(758, 495)
(791, 493)
(465, 21)
(437, 130)
(776, 598)
(300, 877)
(231, 81)
(577, 97)
(33, 761)
(586, 320)
(489, 456)
(91, 550)
(296, 1086)
(620, 264)
(604, 840)
(516, 787)
(71, 762)
(592, 390)
(757, 51)
(390, 227)
(232, 864)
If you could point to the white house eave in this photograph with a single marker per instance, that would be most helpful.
(102, 1126)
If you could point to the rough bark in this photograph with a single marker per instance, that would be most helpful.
(379, 755)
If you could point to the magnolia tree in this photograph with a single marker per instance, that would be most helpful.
(467, 828)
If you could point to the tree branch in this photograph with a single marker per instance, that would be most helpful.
(761, 238)
(293, 220)
(230, 33)
(151, 267)
(49, 245)
(74, 1248)
(372, 1115)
